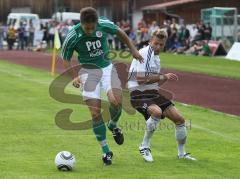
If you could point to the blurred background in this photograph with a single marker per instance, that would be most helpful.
(198, 27)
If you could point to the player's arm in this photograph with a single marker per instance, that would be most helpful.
(124, 38)
(67, 52)
(76, 80)
(155, 78)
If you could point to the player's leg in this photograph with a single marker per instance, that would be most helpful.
(99, 128)
(180, 130)
(112, 86)
(143, 103)
(151, 124)
(115, 109)
(90, 79)
(155, 114)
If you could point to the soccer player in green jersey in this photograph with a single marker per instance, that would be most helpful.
(89, 40)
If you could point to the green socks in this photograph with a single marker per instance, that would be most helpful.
(115, 113)
(99, 130)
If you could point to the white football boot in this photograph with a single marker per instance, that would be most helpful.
(146, 153)
(186, 156)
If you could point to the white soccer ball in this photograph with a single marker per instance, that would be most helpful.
(65, 161)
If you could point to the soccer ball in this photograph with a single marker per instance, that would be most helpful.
(65, 161)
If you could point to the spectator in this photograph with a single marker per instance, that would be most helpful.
(153, 28)
(208, 32)
(110, 41)
(193, 33)
(185, 46)
(132, 35)
(21, 34)
(51, 31)
(26, 34)
(11, 37)
(172, 37)
(31, 30)
(183, 34)
(174, 24)
(175, 46)
(194, 50)
(200, 33)
(205, 51)
(45, 32)
(63, 31)
(1, 36)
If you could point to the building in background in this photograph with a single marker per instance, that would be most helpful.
(133, 10)
(114, 10)
(189, 10)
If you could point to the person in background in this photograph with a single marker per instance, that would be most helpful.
(21, 34)
(11, 37)
(208, 32)
(1, 36)
(31, 30)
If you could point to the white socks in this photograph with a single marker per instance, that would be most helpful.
(151, 126)
(180, 132)
(181, 136)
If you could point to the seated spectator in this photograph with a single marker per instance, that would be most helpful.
(175, 46)
(195, 49)
(205, 51)
(185, 46)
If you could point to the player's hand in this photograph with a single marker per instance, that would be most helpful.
(77, 82)
(171, 76)
(137, 56)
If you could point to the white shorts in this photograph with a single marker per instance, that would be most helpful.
(93, 80)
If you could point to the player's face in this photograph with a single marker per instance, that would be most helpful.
(157, 45)
(89, 28)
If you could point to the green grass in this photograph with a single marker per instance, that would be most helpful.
(214, 66)
(208, 65)
(29, 138)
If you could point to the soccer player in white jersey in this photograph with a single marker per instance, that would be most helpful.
(144, 79)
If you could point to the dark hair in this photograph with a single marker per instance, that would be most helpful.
(88, 15)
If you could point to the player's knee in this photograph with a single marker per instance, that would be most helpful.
(115, 98)
(116, 102)
(179, 120)
(155, 111)
(96, 114)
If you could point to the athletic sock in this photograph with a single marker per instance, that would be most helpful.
(115, 113)
(151, 126)
(181, 136)
(99, 130)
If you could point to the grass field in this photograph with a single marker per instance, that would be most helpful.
(207, 65)
(29, 138)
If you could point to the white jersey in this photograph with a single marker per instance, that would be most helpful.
(150, 66)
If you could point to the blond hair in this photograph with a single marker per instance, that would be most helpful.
(160, 33)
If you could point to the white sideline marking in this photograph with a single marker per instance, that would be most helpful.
(23, 77)
(222, 135)
(219, 112)
(68, 90)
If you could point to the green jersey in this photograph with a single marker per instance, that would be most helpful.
(92, 49)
